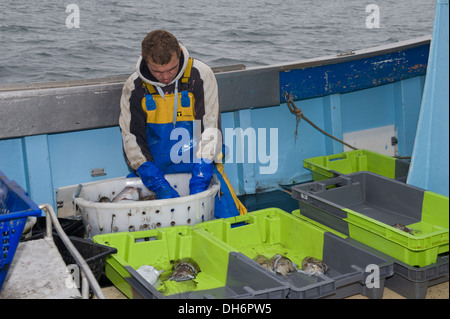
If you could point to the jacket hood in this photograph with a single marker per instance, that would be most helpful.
(141, 64)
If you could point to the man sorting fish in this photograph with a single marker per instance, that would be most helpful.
(168, 97)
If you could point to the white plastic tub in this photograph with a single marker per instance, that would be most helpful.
(101, 218)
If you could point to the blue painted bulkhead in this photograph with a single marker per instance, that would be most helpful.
(340, 97)
(390, 104)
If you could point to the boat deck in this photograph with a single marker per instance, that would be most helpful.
(39, 272)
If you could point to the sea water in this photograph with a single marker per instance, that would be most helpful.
(54, 40)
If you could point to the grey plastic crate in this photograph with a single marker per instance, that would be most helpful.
(315, 203)
(409, 281)
(347, 260)
(413, 282)
(348, 273)
(372, 195)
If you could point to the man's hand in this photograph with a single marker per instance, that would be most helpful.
(153, 179)
(201, 176)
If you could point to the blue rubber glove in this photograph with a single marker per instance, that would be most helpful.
(201, 176)
(153, 179)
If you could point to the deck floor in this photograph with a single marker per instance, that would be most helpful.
(38, 272)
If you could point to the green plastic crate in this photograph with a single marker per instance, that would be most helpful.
(364, 206)
(268, 232)
(324, 167)
(223, 274)
(305, 219)
(272, 231)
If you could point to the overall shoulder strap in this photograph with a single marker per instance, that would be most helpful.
(148, 88)
(187, 74)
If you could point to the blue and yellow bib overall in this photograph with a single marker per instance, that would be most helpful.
(160, 124)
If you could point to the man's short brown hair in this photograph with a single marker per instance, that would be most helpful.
(159, 46)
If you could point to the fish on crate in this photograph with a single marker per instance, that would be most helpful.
(282, 265)
(263, 261)
(184, 269)
(129, 193)
(147, 197)
(313, 266)
(404, 228)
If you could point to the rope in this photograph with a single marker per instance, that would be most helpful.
(299, 115)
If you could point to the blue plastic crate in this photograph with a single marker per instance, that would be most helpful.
(15, 208)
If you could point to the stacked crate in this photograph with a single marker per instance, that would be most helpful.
(362, 195)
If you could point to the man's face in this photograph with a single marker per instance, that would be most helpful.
(165, 73)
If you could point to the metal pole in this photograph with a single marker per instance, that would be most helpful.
(78, 258)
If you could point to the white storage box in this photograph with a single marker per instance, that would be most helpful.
(101, 218)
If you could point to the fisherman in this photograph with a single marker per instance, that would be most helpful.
(170, 122)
